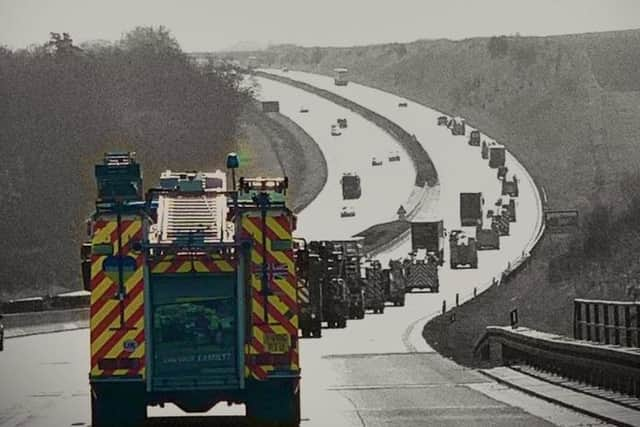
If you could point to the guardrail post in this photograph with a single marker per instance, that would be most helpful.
(587, 319)
(606, 327)
(457, 300)
(596, 322)
(444, 306)
(637, 343)
(577, 319)
(475, 292)
(628, 339)
(616, 324)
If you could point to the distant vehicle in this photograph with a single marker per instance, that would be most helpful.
(376, 162)
(402, 104)
(351, 188)
(304, 109)
(1, 334)
(496, 156)
(510, 187)
(428, 235)
(462, 250)
(500, 223)
(458, 126)
(347, 211)
(335, 131)
(394, 156)
(443, 121)
(340, 76)
(487, 238)
(474, 138)
(285, 70)
(252, 63)
(502, 172)
(342, 123)
(471, 209)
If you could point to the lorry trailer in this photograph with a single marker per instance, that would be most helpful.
(340, 77)
(471, 209)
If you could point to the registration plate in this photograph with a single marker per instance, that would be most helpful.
(276, 343)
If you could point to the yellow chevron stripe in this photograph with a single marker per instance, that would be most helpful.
(224, 266)
(200, 267)
(287, 288)
(107, 308)
(131, 307)
(277, 228)
(276, 302)
(96, 266)
(185, 267)
(131, 231)
(161, 267)
(257, 235)
(257, 308)
(117, 348)
(103, 235)
(99, 292)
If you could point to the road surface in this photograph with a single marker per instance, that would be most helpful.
(376, 372)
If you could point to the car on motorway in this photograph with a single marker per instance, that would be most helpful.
(347, 211)
(335, 131)
(304, 109)
(394, 156)
(402, 104)
(285, 70)
(376, 162)
(1, 334)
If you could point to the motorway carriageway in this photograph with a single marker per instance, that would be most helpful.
(378, 371)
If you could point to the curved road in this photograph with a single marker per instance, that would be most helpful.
(369, 374)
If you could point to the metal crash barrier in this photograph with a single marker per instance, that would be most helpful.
(607, 322)
(608, 366)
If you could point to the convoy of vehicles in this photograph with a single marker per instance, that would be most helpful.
(204, 278)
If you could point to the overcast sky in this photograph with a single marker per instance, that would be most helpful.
(205, 25)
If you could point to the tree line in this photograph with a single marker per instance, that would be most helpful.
(62, 106)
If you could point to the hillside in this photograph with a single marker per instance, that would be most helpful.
(569, 108)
